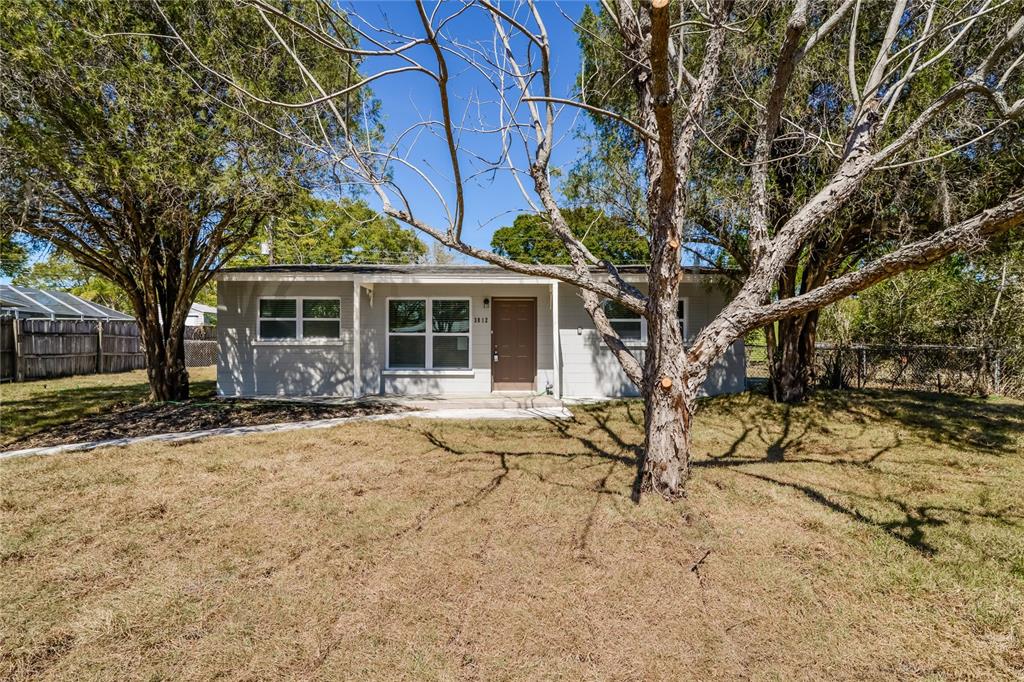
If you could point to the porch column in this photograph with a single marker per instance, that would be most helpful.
(556, 350)
(357, 340)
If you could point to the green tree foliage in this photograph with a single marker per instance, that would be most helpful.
(13, 253)
(609, 172)
(321, 231)
(530, 240)
(129, 158)
(966, 300)
(58, 272)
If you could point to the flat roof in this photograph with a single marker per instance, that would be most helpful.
(428, 270)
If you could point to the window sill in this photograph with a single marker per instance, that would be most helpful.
(642, 345)
(428, 372)
(300, 342)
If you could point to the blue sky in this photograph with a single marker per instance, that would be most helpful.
(492, 201)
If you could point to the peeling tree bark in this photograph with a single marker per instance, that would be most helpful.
(793, 360)
(669, 402)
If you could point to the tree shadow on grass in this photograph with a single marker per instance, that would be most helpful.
(909, 529)
(818, 433)
(43, 410)
(508, 461)
(822, 432)
(962, 422)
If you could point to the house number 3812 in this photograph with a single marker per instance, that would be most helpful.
(480, 320)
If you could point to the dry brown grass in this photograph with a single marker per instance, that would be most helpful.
(863, 536)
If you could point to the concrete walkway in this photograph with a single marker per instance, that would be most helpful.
(494, 401)
(437, 412)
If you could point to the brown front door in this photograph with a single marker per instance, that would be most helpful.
(514, 343)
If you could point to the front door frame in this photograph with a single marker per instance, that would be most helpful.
(533, 342)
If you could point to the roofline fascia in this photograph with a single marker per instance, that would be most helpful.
(377, 278)
(405, 278)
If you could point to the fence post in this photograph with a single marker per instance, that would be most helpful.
(862, 366)
(99, 346)
(19, 364)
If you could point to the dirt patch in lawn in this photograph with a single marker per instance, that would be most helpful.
(127, 420)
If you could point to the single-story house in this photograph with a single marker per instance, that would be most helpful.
(358, 330)
(201, 315)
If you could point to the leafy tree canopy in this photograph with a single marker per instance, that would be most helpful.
(966, 300)
(530, 240)
(128, 157)
(13, 253)
(321, 231)
(58, 272)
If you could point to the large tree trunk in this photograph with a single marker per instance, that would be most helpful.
(161, 296)
(165, 357)
(668, 401)
(792, 364)
(792, 370)
(666, 457)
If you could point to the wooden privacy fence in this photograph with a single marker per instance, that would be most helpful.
(40, 349)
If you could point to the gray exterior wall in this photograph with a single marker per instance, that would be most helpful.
(247, 366)
(377, 379)
(590, 370)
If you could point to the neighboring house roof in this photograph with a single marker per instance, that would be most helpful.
(435, 272)
(8, 301)
(199, 309)
(31, 302)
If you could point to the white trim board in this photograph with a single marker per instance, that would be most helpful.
(369, 278)
(372, 278)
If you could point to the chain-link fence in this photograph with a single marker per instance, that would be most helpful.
(945, 369)
(200, 346)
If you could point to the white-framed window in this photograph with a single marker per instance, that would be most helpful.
(429, 333)
(298, 318)
(681, 310)
(632, 327)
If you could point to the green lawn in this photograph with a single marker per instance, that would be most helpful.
(862, 536)
(32, 407)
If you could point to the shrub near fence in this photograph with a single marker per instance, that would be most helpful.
(945, 369)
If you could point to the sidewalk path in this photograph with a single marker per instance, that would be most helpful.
(443, 413)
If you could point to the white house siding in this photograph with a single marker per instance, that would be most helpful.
(477, 381)
(247, 366)
(590, 370)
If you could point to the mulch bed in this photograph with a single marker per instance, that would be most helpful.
(128, 420)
